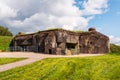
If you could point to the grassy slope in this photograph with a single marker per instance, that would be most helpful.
(90, 68)
(9, 60)
(4, 42)
(115, 49)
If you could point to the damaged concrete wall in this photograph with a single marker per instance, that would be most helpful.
(50, 43)
(63, 42)
(94, 42)
(72, 43)
(40, 41)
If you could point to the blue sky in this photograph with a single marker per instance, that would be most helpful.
(109, 22)
(34, 15)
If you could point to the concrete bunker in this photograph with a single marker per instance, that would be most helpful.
(62, 42)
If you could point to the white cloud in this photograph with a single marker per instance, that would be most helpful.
(34, 15)
(6, 11)
(114, 40)
(92, 7)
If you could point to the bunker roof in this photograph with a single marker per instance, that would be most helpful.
(89, 32)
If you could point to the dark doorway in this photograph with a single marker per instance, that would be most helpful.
(70, 46)
(50, 51)
(24, 48)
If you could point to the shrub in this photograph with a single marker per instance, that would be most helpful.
(115, 49)
(5, 42)
(4, 31)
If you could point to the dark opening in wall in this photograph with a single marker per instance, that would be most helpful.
(50, 51)
(59, 44)
(71, 45)
(91, 42)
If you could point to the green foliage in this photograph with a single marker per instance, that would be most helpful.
(115, 49)
(9, 60)
(4, 42)
(55, 29)
(105, 67)
(5, 31)
(76, 31)
(20, 33)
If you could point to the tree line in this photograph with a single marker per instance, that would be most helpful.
(4, 31)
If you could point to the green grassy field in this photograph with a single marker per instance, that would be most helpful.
(9, 60)
(105, 67)
(4, 42)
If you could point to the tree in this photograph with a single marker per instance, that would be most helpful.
(20, 33)
(4, 31)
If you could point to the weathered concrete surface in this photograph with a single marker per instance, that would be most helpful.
(60, 41)
(32, 57)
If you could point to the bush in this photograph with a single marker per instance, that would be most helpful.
(4, 31)
(115, 49)
(5, 42)
(20, 33)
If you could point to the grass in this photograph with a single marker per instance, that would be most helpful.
(115, 49)
(105, 67)
(4, 42)
(9, 60)
(76, 31)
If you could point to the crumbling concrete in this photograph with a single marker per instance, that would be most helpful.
(62, 42)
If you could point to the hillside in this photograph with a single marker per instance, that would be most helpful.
(4, 42)
(115, 49)
(105, 67)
